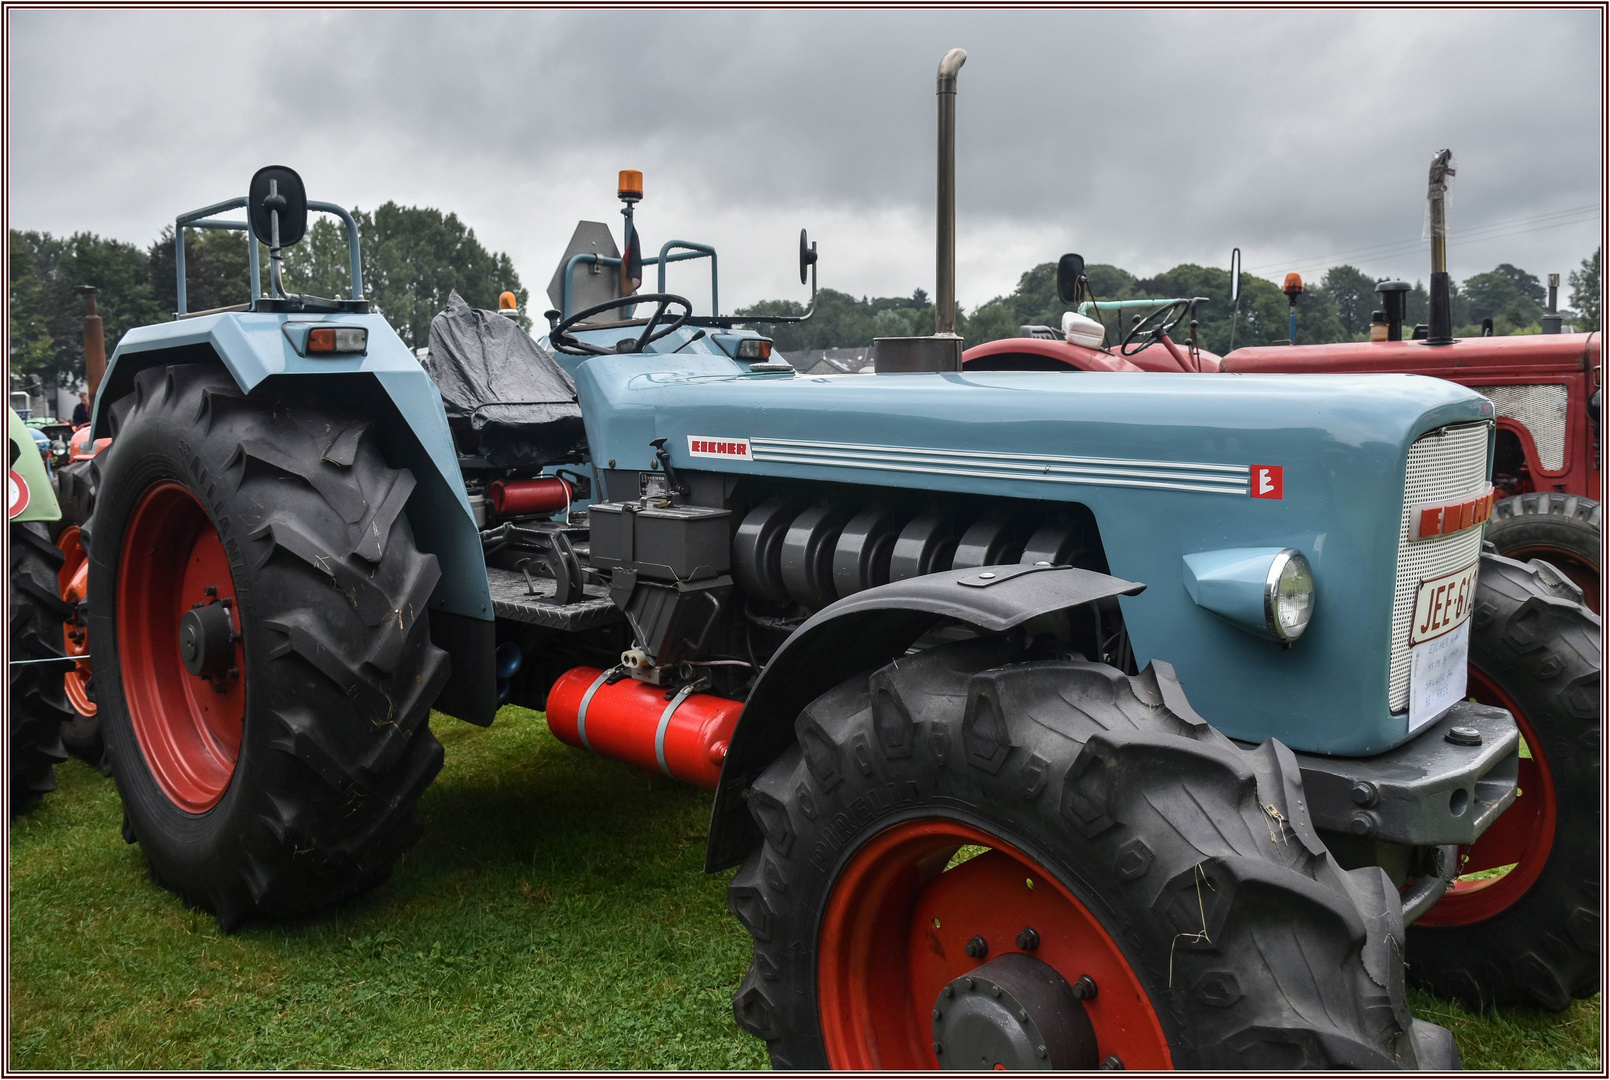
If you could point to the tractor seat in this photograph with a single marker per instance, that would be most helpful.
(507, 400)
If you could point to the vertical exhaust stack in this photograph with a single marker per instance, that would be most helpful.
(942, 351)
(1440, 321)
(945, 262)
(94, 339)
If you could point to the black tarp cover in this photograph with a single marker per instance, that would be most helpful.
(518, 404)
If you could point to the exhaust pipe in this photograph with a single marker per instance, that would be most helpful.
(945, 275)
(943, 350)
(94, 339)
(1440, 321)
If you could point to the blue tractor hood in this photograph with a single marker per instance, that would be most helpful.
(1170, 465)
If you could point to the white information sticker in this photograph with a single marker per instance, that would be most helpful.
(1437, 670)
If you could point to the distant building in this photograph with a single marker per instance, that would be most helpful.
(830, 361)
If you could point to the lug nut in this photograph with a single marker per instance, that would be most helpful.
(1111, 1061)
(1084, 989)
(1029, 939)
(936, 1014)
(938, 1049)
(976, 947)
(211, 590)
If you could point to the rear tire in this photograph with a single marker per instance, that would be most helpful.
(1530, 934)
(1187, 871)
(1563, 530)
(34, 691)
(324, 706)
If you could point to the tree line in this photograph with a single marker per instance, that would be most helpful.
(412, 258)
(1336, 308)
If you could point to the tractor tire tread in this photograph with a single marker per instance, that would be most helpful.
(1065, 752)
(1544, 650)
(38, 704)
(342, 672)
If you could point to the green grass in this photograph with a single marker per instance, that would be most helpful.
(553, 917)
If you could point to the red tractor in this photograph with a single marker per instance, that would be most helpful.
(1545, 386)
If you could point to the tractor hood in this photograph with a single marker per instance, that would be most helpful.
(1170, 464)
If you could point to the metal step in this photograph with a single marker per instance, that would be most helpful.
(513, 600)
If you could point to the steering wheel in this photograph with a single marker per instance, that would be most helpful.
(564, 341)
(1154, 327)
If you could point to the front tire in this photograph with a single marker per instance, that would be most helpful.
(260, 542)
(1523, 925)
(1139, 845)
(34, 694)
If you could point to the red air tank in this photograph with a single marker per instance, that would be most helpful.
(542, 495)
(684, 736)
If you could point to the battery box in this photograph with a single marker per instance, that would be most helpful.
(661, 543)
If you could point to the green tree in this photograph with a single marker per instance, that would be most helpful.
(59, 264)
(1507, 293)
(1586, 294)
(412, 258)
(1353, 294)
(27, 314)
(217, 270)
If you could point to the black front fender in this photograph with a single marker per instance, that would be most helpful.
(863, 632)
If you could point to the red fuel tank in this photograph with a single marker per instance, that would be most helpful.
(684, 736)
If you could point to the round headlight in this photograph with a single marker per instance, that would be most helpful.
(1288, 595)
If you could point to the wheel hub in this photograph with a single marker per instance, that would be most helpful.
(207, 640)
(1015, 1012)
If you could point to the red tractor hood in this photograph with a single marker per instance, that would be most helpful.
(1513, 355)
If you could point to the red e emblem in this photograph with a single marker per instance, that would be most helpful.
(1268, 482)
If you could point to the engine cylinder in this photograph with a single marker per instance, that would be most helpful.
(684, 737)
(542, 495)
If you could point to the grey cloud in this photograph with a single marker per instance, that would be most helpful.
(1139, 137)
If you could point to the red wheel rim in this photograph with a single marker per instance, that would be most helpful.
(73, 582)
(188, 727)
(894, 932)
(1583, 574)
(1520, 839)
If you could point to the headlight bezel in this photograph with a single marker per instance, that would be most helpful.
(1293, 560)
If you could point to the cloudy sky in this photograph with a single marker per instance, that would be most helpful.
(1141, 138)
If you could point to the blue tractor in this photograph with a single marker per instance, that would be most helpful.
(927, 634)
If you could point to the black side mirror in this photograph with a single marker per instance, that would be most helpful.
(807, 256)
(1235, 275)
(1070, 275)
(277, 187)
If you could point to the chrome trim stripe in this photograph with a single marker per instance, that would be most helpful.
(586, 699)
(1102, 472)
(665, 724)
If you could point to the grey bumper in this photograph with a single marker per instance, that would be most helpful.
(1427, 792)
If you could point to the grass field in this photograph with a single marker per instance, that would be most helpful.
(553, 917)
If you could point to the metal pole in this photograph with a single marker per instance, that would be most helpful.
(94, 339)
(945, 285)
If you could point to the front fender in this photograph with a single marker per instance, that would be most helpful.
(863, 632)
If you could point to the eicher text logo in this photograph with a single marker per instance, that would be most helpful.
(711, 446)
(1268, 482)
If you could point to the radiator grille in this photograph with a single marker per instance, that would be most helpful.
(1443, 466)
(1540, 410)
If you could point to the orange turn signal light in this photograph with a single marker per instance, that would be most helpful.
(337, 339)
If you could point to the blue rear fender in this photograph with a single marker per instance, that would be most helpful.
(254, 349)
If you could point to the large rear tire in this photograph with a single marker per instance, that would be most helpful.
(260, 541)
(34, 690)
(1563, 530)
(1522, 924)
(1128, 841)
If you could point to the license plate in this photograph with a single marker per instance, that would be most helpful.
(1443, 604)
(1439, 639)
